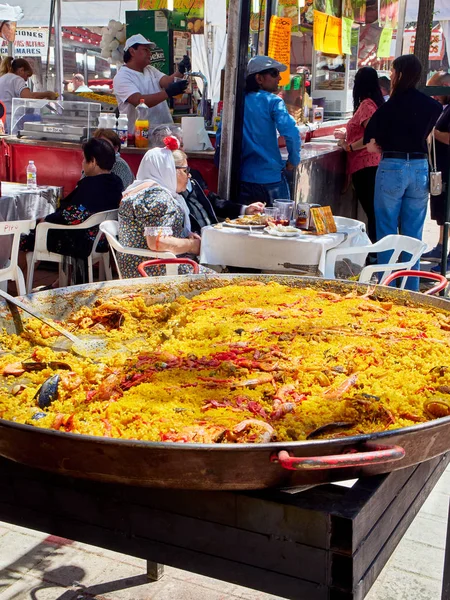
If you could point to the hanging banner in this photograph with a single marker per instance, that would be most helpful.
(193, 9)
(280, 44)
(347, 35)
(332, 43)
(319, 26)
(28, 42)
(384, 45)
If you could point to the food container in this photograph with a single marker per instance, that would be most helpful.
(302, 215)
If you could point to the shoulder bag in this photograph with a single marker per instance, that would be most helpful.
(435, 175)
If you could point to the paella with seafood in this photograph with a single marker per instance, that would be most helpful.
(247, 362)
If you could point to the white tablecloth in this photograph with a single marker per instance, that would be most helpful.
(258, 250)
(18, 203)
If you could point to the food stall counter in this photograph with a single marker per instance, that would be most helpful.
(59, 163)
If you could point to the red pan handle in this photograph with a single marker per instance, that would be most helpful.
(167, 261)
(371, 455)
(423, 274)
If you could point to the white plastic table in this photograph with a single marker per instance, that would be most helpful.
(256, 249)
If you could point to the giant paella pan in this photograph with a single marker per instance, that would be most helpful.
(227, 382)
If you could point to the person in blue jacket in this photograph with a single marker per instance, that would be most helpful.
(262, 174)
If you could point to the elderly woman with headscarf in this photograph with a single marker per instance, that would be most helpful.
(154, 201)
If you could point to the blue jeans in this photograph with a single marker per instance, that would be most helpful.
(264, 192)
(401, 198)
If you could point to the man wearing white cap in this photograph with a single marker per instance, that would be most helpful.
(136, 79)
(265, 114)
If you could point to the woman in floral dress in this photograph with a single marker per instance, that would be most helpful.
(154, 201)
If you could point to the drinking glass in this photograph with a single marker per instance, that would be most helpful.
(271, 214)
(285, 208)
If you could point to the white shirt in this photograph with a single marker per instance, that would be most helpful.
(83, 88)
(11, 86)
(128, 82)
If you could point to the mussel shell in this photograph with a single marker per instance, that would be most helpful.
(38, 415)
(48, 392)
(328, 428)
(55, 364)
(33, 366)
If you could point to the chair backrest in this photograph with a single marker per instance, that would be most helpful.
(111, 231)
(16, 229)
(398, 244)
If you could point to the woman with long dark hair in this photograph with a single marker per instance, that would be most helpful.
(399, 130)
(361, 164)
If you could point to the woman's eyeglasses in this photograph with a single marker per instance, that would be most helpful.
(187, 170)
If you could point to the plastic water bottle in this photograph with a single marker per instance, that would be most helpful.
(122, 129)
(31, 175)
(141, 126)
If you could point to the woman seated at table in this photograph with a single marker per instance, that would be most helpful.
(120, 167)
(205, 208)
(154, 201)
(100, 190)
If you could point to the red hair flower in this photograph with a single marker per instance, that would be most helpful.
(171, 143)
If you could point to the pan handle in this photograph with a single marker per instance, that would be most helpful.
(370, 455)
(167, 261)
(443, 282)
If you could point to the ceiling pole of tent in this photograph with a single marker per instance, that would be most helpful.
(400, 28)
(233, 100)
(59, 70)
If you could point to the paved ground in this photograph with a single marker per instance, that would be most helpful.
(38, 566)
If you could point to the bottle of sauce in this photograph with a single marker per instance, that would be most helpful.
(141, 126)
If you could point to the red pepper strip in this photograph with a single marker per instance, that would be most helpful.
(108, 427)
(69, 424)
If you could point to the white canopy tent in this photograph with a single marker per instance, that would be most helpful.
(75, 13)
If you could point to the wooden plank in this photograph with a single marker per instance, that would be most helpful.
(182, 558)
(278, 554)
(362, 586)
(405, 505)
(364, 504)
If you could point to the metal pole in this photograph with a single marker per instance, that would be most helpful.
(11, 49)
(59, 69)
(233, 112)
(400, 28)
(269, 13)
(85, 68)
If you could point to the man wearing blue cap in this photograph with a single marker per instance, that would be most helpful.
(265, 114)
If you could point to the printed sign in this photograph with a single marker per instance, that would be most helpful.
(347, 35)
(437, 43)
(280, 44)
(28, 42)
(319, 26)
(332, 43)
(384, 45)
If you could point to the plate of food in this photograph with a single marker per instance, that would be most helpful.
(247, 222)
(282, 231)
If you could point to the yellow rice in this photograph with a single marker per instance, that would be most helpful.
(193, 370)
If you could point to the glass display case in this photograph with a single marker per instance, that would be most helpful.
(332, 80)
(58, 120)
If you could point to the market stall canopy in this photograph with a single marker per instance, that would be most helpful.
(441, 10)
(76, 13)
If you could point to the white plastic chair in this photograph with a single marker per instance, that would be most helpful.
(12, 270)
(397, 243)
(111, 230)
(41, 253)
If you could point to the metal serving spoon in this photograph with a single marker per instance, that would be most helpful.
(88, 347)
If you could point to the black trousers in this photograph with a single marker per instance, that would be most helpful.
(364, 184)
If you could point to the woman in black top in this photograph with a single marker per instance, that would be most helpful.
(399, 129)
(99, 191)
(442, 135)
